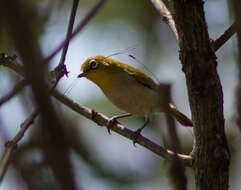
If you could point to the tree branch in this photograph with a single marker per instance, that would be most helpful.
(205, 95)
(223, 38)
(18, 87)
(235, 4)
(167, 16)
(102, 120)
(82, 24)
(68, 35)
(31, 55)
(176, 168)
(12, 145)
(12, 63)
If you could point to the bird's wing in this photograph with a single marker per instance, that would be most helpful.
(142, 78)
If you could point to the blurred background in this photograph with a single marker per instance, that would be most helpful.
(99, 160)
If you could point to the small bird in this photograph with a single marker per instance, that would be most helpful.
(129, 89)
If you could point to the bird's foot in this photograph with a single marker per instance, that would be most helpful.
(113, 120)
(135, 135)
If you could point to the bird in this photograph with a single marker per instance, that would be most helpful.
(130, 90)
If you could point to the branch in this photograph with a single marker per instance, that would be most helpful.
(58, 72)
(68, 35)
(18, 87)
(216, 44)
(12, 145)
(205, 95)
(84, 22)
(176, 169)
(61, 70)
(167, 16)
(66, 173)
(223, 38)
(11, 62)
(235, 5)
(102, 120)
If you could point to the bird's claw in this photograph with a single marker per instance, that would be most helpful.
(135, 135)
(110, 124)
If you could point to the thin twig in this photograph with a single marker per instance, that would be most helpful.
(84, 22)
(167, 16)
(68, 34)
(176, 169)
(11, 145)
(102, 120)
(18, 87)
(11, 62)
(223, 38)
(58, 73)
(236, 10)
(61, 70)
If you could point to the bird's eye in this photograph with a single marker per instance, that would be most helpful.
(93, 64)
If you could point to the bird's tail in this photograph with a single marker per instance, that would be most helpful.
(180, 117)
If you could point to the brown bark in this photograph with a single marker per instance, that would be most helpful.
(237, 13)
(211, 153)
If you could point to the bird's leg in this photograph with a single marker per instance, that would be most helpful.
(137, 133)
(113, 120)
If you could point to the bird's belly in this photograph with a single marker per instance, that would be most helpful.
(137, 99)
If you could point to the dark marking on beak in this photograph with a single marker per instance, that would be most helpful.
(81, 75)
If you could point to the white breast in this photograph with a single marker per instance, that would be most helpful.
(133, 97)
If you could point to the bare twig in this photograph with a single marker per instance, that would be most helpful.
(11, 145)
(102, 120)
(51, 118)
(61, 70)
(235, 4)
(18, 87)
(223, 38)
(84, 22)
(167, 16)
(68, 35)
(55, 76)
(216, 44)
(10, 62)
(176, 170)
(205, 97)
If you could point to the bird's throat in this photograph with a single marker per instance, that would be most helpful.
(104, 80)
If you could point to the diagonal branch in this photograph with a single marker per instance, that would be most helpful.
(167, 16)
(205, 95)
(176, 170)
(68, 35)
(18, 87)
(55, 77)
(12, 63)
(61, 70)
(82, 24)
(235, 5)
(12, 145)
(223, 38)
(102, 120)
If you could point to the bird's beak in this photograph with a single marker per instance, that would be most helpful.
(81, 75)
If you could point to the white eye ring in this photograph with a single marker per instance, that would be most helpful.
(93, 64)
